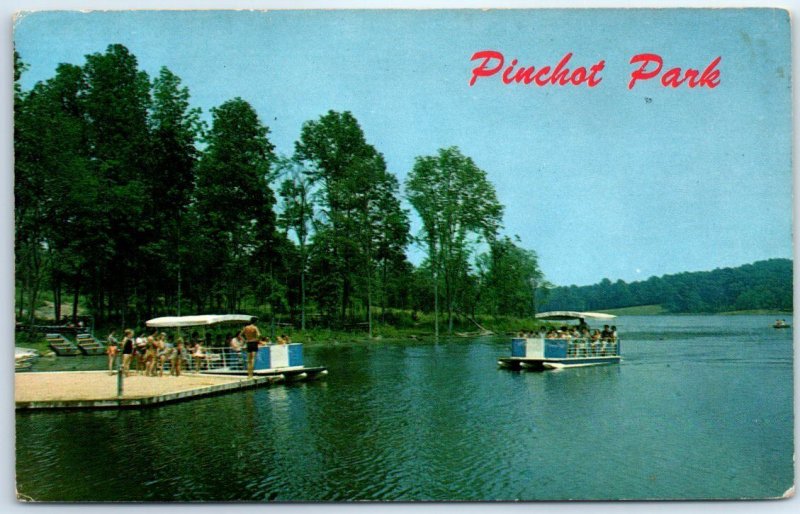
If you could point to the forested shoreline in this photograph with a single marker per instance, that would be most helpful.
(762, 285)
(130, 206)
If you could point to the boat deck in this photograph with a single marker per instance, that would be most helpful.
(98, 389)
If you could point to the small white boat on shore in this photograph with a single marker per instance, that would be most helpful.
(542, 353)
(24, 358)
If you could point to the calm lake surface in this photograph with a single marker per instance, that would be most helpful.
(700, 407)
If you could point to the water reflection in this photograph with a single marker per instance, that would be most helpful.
(686, 416)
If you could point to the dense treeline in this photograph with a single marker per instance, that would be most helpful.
(128, 202)
(761, 285)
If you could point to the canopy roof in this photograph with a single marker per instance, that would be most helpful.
(199, 321)
(559, 315)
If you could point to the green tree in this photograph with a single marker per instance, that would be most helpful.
(510, 278)
(234, 202)
(352, 186)
(458, 206)
(297, 215)
(175, 128)
(115, 105)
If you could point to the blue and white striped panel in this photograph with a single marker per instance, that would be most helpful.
(262, 358)
(295, 354)
(555, 348)
(518, 347)
(534, 348)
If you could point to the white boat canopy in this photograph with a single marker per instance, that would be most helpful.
(199, 321)
(563, 315)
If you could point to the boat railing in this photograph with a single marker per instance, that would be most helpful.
(211, 359)
(587, 347)
(218, 359)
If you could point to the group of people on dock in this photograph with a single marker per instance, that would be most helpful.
(150, 354)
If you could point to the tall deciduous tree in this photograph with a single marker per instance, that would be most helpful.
(234, 201)
(297, 215)
(175, 129)
(458, 206)
(116, 106)
(510, 277)
(354, 193)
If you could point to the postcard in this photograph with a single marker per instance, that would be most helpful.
(403, 255)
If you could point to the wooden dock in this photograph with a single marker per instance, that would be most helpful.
(98, 389)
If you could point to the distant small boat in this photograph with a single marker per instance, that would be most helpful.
(781, 324)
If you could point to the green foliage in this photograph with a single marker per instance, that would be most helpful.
(234, 202)
(458, 206)
(361, 227)
(509, 279)
(761, 285)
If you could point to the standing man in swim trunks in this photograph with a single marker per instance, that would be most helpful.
(251, 336)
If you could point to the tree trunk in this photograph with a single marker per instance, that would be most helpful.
(57, 300)
(75, 298)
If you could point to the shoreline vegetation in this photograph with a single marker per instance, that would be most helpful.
(422, 330)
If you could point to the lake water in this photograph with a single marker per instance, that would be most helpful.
(700, 407)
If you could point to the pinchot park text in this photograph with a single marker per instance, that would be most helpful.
(645, 67)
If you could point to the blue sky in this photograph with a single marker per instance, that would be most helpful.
(601, 182)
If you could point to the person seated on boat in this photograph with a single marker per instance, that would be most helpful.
(613, 333)
(199, 355)
(551, 334)
(582, 325)
(286, 339)
(235, 343)
(606, 334)
(264, 341)
(585, 334)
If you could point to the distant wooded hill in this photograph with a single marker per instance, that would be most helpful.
(761, 285)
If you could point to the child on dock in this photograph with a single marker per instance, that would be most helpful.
(111, 351)
(177, 357)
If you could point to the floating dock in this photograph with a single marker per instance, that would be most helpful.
(98, 389)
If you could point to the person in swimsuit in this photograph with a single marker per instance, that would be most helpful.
(111, 351)
(251, 336)
(161, 353)
(150, 357)
(177, 357)
(127, 351)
